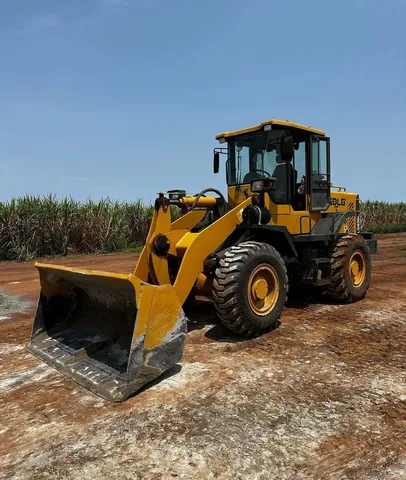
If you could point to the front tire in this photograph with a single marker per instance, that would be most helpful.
(250, 288)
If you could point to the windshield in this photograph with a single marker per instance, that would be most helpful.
(252, 162)
(258, 155)
(252, 156)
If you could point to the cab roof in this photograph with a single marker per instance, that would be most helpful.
(284, 123)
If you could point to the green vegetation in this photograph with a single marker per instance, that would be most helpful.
(33, 227)
(384, 217)
(136, 249)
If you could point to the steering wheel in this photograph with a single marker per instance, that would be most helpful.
(263, 171)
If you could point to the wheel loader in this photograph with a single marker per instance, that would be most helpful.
(282, 224)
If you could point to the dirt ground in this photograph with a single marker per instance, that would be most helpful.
(321, 397)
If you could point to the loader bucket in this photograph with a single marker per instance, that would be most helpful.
(109, 332)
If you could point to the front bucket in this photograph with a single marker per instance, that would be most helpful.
(109, 332)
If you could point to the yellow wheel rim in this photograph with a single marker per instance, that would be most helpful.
(263, 289)
(357, 268)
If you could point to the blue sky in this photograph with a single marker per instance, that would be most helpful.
(123, 98)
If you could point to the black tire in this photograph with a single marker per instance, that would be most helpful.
(342, 286)
(230, 288)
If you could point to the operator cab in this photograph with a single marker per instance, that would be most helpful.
(295, 156)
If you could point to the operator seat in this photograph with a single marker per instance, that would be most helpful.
(285, 175)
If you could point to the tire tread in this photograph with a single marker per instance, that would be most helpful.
(226, 286)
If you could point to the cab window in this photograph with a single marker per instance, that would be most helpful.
(298, 197)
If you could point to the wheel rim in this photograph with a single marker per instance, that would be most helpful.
(357, 268)
(263, 289)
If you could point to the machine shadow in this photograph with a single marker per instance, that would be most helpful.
(220, 333)
(308, 297)
(202, 313)
(171, 372)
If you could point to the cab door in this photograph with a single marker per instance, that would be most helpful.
(319, 173)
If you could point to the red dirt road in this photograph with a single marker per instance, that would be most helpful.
(321, 397)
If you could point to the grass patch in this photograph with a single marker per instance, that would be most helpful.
(386, 229)
(137, 249)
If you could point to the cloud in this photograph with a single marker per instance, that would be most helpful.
(75, 178)
(123, 3)
(46, 21)
(130, 3)
(50, 20)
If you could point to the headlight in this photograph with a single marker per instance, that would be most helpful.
(263, 185)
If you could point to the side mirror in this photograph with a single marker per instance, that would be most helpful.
(216, 162)
(261, 185)
(287, 148)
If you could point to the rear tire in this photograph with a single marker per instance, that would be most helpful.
(350, 269)
(250, 288)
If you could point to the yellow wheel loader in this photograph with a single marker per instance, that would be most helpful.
(282, 224)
